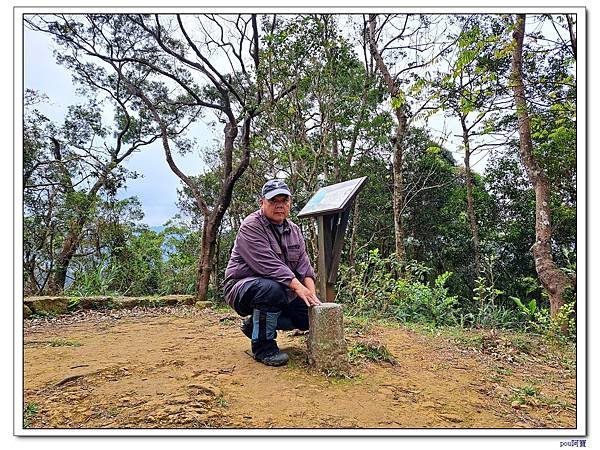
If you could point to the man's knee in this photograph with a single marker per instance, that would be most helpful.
(297, 311)
(268, 294)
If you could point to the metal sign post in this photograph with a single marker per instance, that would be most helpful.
(331, 207)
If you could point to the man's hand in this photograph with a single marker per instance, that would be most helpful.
(307, 295)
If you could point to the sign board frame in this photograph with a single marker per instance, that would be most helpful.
(330, 206)
(333, 198)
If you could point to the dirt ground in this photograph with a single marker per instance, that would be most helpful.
(186, 368)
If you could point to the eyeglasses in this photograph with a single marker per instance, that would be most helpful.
(275, 201)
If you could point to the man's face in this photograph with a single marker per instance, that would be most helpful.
(276, 209)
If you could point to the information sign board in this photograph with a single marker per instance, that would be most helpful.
(332, 199)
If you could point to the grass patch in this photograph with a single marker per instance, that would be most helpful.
(43, 315)
(337, 376)
(528, 390)
(423, 328)
(372, 351)
(220, 400)
(568, 363)
(460, 337)
(64, 343)
(357, 324)
(526, 395)
(293, 364)
(503, 371)
(29, 412)
(106, 413)
(152, 302)
(507, 343)
(111, 412)
(521, 343)
(530, 394)
(221, 308)
(556, 403)
(73, 304)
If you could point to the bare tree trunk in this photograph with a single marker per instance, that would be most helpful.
(398, 200)
(214, 216)
(398, 151)
(554, 280)
(215, 265)
(69, 247)
(572, 35)
(30, 285)
(74, 234)
(352, 244)
(213, 220)
(470, 199)
(335, 155)
(207, 252)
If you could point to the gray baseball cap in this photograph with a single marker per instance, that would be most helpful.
(274, 187)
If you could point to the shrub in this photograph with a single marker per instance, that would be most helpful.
(560, 328)
(486, 311)
(94, 281)
(387, 288)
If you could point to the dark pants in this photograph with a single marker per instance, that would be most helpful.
(270, 296)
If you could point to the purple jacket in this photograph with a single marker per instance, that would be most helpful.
(257, 254)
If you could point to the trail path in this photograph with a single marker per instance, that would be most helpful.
(184, 368)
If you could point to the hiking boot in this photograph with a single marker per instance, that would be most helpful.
(247, 327)
(273, 359)
(267, 352)
(283, 323)
(263, 333)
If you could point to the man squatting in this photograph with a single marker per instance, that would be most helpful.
(269, 276)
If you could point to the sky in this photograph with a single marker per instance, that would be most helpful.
(157, 188)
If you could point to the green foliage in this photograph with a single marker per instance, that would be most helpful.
(486, 310)
(368, 350)
(59, 342)
(399, 101)
(221, 401)
(562, 327)
(142, 262)
(30, 410)
(98, 280)
(73, 304)
(524, 395)
(180, 263)
(514, 228)
(491, 316)
(530, 311)
(384, 287)
(484, 293)
(142, 270)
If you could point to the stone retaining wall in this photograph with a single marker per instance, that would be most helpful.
(62, 304)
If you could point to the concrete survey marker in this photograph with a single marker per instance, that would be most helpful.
(326, 345)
